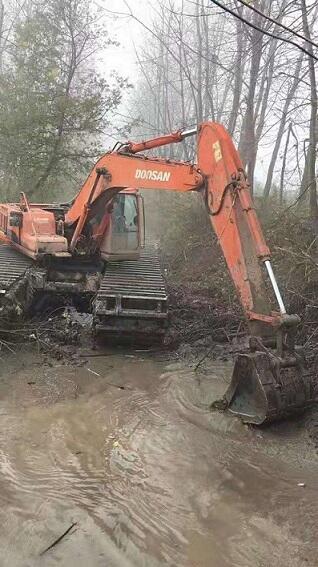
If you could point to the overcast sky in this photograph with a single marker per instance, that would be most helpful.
(127, 31)
(131, 36)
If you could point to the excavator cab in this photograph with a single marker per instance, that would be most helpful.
(125, 236)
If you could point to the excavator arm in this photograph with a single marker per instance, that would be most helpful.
(269, 381)
(220, 177)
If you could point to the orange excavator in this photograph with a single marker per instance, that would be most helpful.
(93, 249)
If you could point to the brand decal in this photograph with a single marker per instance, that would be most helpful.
(217, 151)
(152, 174)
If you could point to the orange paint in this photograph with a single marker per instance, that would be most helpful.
(218, 173)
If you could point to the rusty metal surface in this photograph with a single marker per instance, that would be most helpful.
(12, 266)
(132, 298)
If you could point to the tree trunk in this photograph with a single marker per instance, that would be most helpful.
(1, 33)
(199, 63)
(289, 97)
(309, 178)
(238, 80)
(282, 175)
(247, 145)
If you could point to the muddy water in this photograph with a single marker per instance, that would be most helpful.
(150, 476)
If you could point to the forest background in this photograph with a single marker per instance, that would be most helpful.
(65, 98)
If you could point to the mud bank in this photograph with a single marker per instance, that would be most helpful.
(123, 445)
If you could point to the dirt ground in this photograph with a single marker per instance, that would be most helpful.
(122, 446)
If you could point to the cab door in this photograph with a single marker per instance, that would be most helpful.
(125, 234)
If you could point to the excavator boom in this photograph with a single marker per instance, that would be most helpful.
(220, 177)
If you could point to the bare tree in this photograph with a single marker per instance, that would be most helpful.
(288, 101)
(202, 64)
(309, 177)
(281, 185)
(1, 32)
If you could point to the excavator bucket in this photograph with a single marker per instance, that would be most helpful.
(265, 388)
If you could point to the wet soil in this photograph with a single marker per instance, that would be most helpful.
(123, 444)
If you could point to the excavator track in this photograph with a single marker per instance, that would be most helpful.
(14, 292)
(13, 265)
(131, 304)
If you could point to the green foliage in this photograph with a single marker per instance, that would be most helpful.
(54, 106)
(195, 261)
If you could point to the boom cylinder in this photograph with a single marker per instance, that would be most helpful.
(275, 287)
(190, 132)
(174, 138)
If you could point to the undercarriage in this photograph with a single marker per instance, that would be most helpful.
(127, 299)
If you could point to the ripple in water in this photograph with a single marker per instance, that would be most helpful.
(152, 477)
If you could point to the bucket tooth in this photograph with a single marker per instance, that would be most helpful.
(264, 389)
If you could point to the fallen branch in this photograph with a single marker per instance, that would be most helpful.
(59, 539)
(203, 358)
(118, 386)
